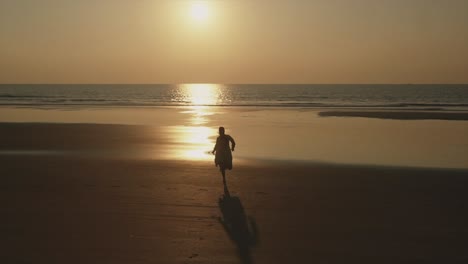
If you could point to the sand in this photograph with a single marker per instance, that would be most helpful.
(68, 196)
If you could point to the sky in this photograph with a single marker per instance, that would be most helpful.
(234, 41)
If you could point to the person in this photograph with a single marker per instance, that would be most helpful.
(222, 151)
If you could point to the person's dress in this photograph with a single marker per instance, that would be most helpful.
(223, 156)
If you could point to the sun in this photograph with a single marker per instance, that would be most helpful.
(199, 11)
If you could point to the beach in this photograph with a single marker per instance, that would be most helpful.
(233, 132)
(84, 192)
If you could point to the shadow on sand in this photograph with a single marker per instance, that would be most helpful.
(241, 229)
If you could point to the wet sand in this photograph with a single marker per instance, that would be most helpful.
(71, 201)
(189, 133)
(400, 115)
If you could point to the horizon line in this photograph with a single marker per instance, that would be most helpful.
(234, 83)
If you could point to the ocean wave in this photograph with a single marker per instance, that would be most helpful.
(119, 103)
(20, 96)
(290, 96)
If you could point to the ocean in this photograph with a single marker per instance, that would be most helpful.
(430, 97)
(269, 122)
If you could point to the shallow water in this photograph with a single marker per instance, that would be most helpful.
(189, 133)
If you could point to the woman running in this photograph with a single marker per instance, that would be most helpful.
(223, 157)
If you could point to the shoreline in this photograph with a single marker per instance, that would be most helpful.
(57, 114)
(168, 141)
(399, 114)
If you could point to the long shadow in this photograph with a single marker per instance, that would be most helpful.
(241, 229)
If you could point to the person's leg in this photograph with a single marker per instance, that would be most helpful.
(223, 172)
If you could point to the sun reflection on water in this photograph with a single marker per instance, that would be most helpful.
(195, 139)
(200, 94)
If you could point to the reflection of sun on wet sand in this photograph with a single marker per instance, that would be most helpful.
(199, 114)
(191, 142)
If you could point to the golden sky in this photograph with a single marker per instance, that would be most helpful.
(234, 41)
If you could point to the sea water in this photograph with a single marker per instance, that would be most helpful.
(431, 97)
(270, 122)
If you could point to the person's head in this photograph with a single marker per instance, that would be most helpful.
(221, 130)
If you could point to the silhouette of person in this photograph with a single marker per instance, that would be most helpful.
(222, 151)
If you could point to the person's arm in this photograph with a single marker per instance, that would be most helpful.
(233, 143)
(215, 146)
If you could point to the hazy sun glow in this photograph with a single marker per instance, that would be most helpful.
(234, 41)
(200, 11)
